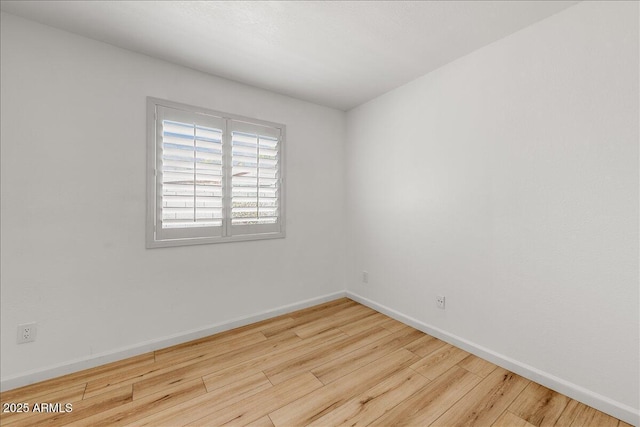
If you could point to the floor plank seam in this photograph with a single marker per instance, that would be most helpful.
(268, 379)
(84, 390)
(413, 370)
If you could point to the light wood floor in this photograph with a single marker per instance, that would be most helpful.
(338, 363)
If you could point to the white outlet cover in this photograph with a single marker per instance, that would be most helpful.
(27, 332)
(440, 301)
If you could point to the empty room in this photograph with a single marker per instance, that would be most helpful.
(293, 213)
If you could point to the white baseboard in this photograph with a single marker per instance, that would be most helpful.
(581, 394)
(76, 365)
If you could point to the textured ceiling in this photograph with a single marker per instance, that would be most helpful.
(339, 53)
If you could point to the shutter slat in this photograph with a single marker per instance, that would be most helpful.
(247, 221)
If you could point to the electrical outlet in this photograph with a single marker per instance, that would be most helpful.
(27, 332)
(365, 277)
(440, 301)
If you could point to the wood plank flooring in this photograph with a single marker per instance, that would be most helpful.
(335, 364)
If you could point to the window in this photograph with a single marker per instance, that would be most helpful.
(211, 177)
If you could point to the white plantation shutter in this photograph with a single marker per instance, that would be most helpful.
(213, 177)
(255, 181)
(189, 174)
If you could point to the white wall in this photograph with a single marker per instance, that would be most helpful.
(73, 204)
(508, 182)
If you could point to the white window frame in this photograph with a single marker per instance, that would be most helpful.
(156, 237)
